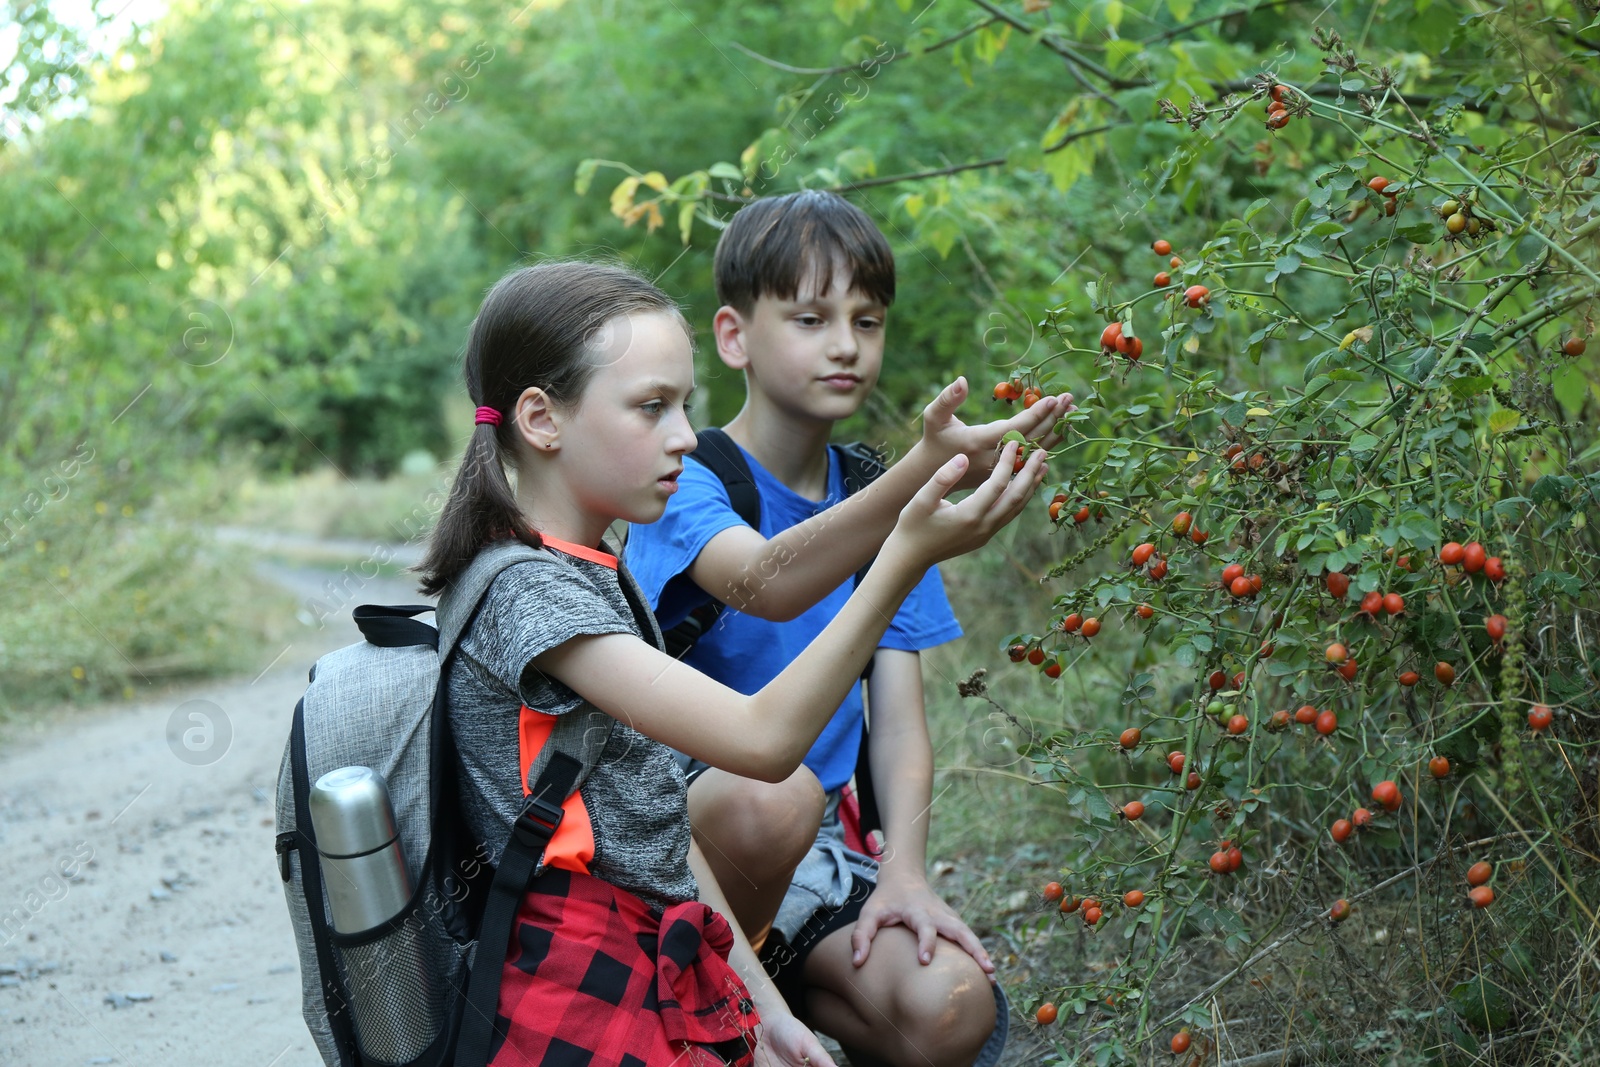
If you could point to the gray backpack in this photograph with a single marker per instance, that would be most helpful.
(406, 992)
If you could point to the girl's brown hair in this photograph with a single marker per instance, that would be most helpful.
(534, 329)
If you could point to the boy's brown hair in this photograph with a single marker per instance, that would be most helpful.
(777, 243)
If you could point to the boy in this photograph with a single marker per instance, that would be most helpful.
(864, 951)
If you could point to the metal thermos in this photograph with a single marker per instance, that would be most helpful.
(396, 998)
(363, 862)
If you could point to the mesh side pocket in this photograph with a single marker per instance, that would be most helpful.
(402, 987)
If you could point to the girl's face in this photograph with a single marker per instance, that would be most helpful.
(622, 445)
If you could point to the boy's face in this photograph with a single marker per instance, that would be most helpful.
(816, 356)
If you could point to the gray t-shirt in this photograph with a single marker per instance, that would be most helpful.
(635, 796)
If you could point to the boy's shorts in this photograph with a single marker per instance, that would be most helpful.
(826, 894)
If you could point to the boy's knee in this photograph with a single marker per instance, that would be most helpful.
(949, 1007)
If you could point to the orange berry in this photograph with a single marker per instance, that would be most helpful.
(1480, 873)
(1052, 891)
(1409, 678)
(1481, 896)
(1130, 737)
(1133, 898)
(1046, 1014)
(1133, 810)
(1445, 673)
(1091, 627)
(1337, 653)
(1162, 247)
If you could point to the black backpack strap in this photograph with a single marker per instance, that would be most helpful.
(393, 626)
(862, 465)
(721, 455)
(535, 825)
(339, 1020)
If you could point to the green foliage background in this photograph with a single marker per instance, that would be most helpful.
(246, 241)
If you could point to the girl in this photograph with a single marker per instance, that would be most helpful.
(582, 374)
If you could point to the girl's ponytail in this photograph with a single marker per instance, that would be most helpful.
(533, 330)
(482, 507)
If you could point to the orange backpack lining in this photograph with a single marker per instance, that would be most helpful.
(572, 847)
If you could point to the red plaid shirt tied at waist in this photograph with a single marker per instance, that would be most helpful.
(593, 979)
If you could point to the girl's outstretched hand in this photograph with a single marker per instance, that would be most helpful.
(932, 528)
(787, 1042)
(947, 435)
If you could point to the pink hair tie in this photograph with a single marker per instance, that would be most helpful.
(489, 415)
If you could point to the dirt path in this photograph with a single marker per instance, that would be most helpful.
(167, 941)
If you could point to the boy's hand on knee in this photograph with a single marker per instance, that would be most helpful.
(945, 435)
(912, 903)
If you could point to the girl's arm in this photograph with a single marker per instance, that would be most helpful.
(777, 579)
(784, 1040)
(766, 735)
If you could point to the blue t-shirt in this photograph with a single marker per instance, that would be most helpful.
(742, 651)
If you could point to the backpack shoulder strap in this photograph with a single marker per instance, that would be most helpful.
(862, 465)
(460, 601)
(721, 455)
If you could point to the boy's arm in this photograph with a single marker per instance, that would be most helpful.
(781, 577)
(901, 756)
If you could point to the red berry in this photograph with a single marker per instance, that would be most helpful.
(1494, 569)
(1347, 669)
(1241, 587)
(1394, 603)
(1180, 1042)
(1193, 781)
(1360, 817)
(1387, 794)
(1052, 891)
(1452, 553)
(1133, 898)
(1336, 653)
(1162, 247)
(1473, 557)
(1338, 584)
(1142, 554)
(1110, 336)
(1305, 715)
(1378, 184)
(1340, 910)
(1071, 623)
(1495, 626)
(1144, 611)
(1341, 830)
(1540, 718)
(1481, 896)
(1445, 673)
(1158, 570)
(1133, 810)
(1162, 279)
(1035, 656)
(1218, 680)
(1091, 627)
(1409, 678)
(1018, 653)
(1196, 295)
(1230, 572)
(1372, 603)
(1053, 669)
(1046, 1014)
(1175, 761)
(1130, 737)
(1219, 862)
(1439, 767)
(1199, 537)
(1480, 873)
(1327, 722)
(1238, 724)
(1091, 915)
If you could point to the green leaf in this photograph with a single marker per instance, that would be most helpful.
(726, 170)
(1298, 215)
(1503, 420)
(1287, 264)
(1462, 388)
(1181, 9)
(685, 220)
(1255, 208)
(1119, 51)
(1481, 1004)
